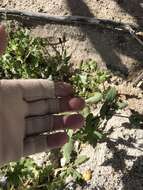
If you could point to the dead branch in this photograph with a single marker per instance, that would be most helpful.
(43, 18)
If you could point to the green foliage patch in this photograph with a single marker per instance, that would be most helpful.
(29, 57)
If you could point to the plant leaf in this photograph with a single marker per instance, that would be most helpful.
(70, 133)
(86, 111)
(81, 159)
(98, 134)
(122, 105)
(83, 79)
(111, 94)
(67, 150)
(95, 99)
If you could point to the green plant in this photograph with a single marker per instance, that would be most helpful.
(71, 159)
(29, 57)
(89, 83)
(88, 78)
(71, 168)
(26, 174)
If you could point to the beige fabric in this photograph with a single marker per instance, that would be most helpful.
(22, 104)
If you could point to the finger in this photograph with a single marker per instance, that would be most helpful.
(3, 39)
(50, 106)
(71, 104)
(37, 89)
(48, 123)
(42, 143)
(74, 121)
(63, 89)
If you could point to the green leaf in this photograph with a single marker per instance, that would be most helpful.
(70, 133)
(76, 175)
(105, 110)
(111, 94)
(67, 150)
(85, 112)
(67, 58)
(99, 135)
(122, 105)
(94, 99)
(83, 79)
(81, 159)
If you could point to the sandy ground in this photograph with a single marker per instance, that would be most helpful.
(117, 162)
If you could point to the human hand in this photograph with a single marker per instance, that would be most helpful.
(29, 112)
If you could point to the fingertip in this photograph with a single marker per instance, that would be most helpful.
(57, 140)
(74, 121)
(77, 104)
(63, 89)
